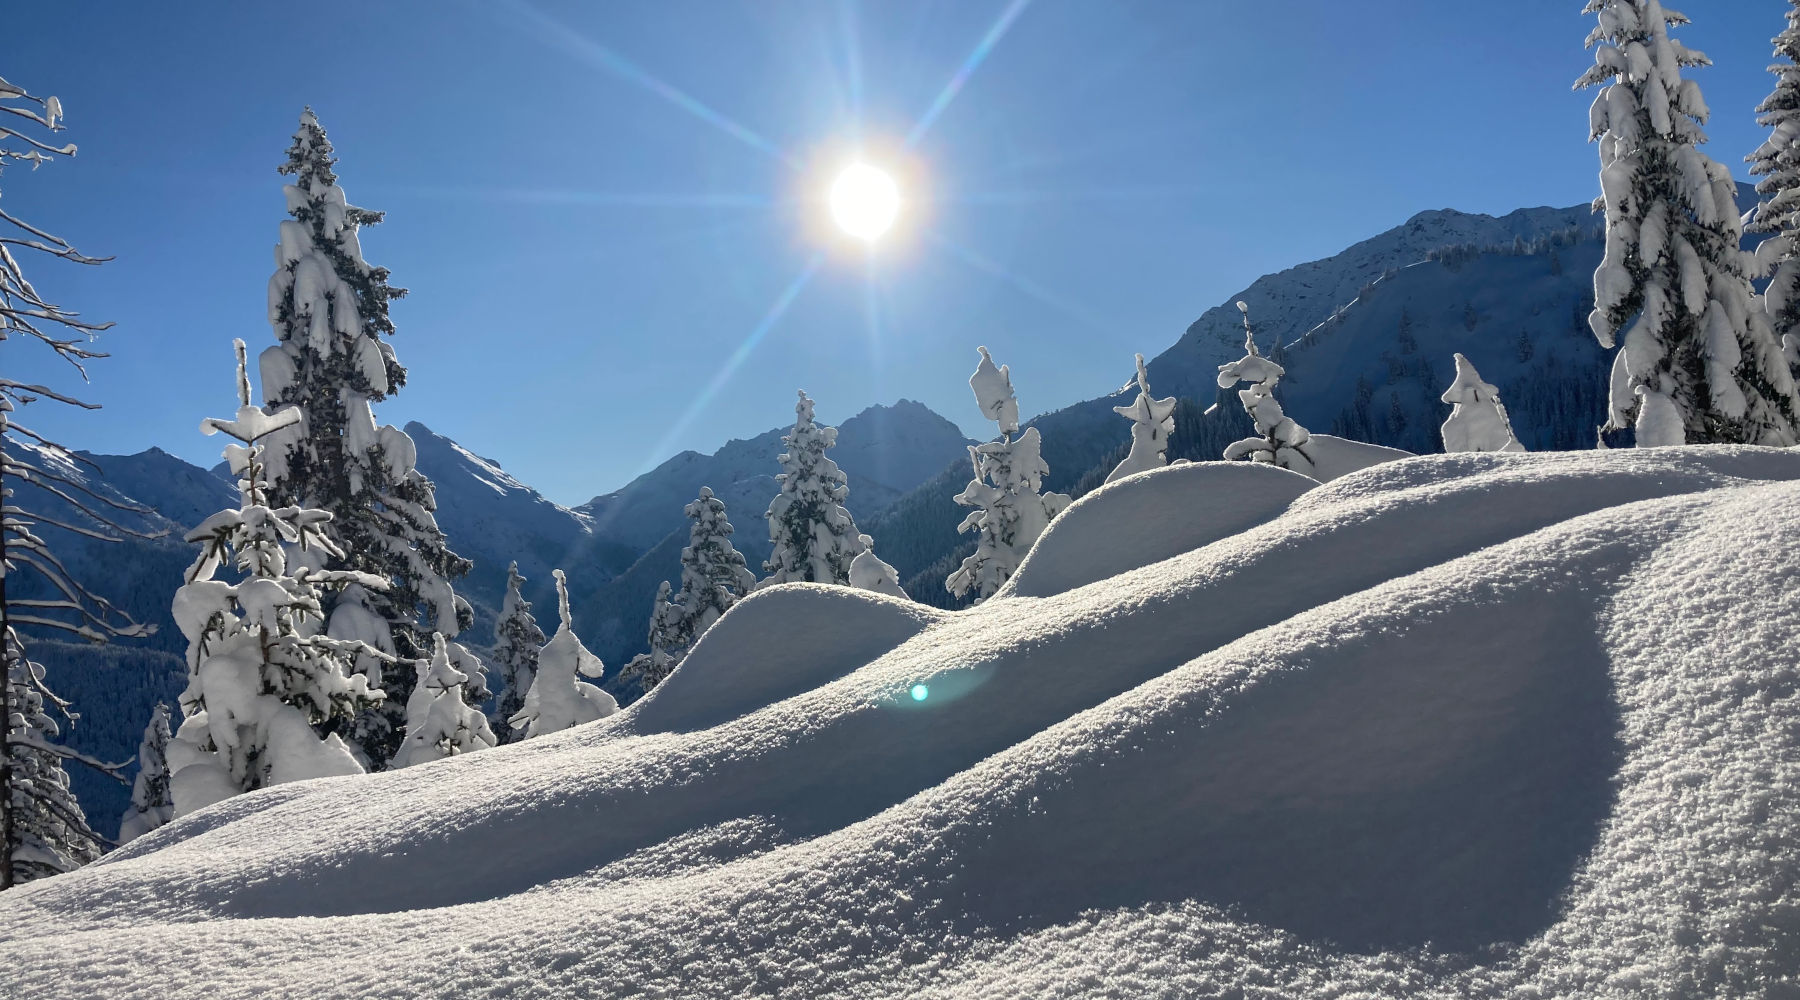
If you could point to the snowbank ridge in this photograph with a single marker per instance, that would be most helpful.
(1456, 726)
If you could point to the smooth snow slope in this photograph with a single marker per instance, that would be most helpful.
(1455, 726)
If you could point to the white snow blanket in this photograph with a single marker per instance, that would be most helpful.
(1468, 725)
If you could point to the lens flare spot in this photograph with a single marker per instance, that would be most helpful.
(920, 692)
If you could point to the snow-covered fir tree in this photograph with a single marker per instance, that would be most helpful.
(558, 699)
(151, 805)
(1777, 162)
(1699, 362)
(263, 681)
(713, 573)
(1478, 421)
(1152, 421)
(1010, 512)
(439, 723)
(329, 311)
(668, 641)
(869, 571)
(1279, 439)
(42, 829)
(517, 639)
(813, 534)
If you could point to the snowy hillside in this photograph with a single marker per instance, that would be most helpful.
(1458, 726)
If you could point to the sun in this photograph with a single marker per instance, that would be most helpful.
(865, 201)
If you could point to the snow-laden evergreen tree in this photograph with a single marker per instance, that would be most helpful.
(151, 805)
(439, 723)
(263, 681)
(668, 641)
(1478, 421)
(869, 571)
(713, 573)
(1777, 162)
(1279, 439)
(36, 588)
(517, 639)
(42, 827)
(329, 311)
(1699, 362)
(813, 534)
(1152, 421)
(1010, 512)
(558, 699)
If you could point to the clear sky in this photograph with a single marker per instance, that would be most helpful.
(608, 213)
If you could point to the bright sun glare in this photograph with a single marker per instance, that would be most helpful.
(864, 201)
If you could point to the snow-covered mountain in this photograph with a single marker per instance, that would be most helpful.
(1455, 726)
(492, 519)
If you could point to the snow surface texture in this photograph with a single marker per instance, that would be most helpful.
(1471, 725)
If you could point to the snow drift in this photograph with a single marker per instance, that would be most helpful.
(1471, 725)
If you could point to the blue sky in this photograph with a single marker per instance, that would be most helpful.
(598, 206)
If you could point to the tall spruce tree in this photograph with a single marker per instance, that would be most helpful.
(42, 829)
(1699, 363)
(439, 723)
(329, 310)
(517, 639)
(713, 574)
(713, 578)
(1777, 162)
(1279, 440)
(1152, 421)
(1010, 512)
(264, 684)
(558, 699)
(152, 804)
(813, 533)
(668, 641)
(1478, 420)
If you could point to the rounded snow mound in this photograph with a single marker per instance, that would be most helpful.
(1151, 516)
(773, 645)
(1336, 457)
(1521, 729)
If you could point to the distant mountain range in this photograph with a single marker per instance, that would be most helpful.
(1366, 336)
